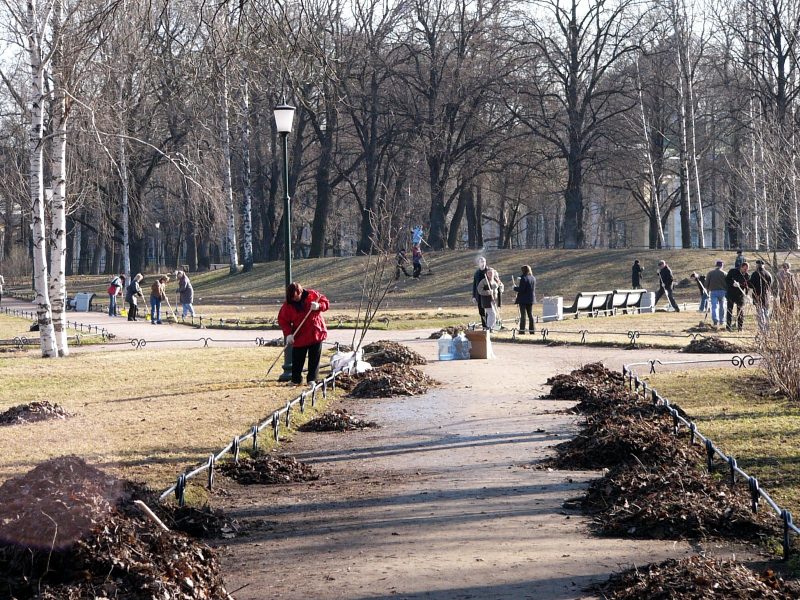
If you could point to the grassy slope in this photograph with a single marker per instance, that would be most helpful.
(558, 272)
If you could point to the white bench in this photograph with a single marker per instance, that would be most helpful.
(82, 302)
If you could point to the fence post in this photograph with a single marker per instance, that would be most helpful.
(786, 516)
(752, 484)
(211, 462)
(255, 438)
(235, 449)
(180, 489)
(710, 454)
(732, 465)
(276, 425)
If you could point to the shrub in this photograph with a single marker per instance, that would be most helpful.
(779, 345)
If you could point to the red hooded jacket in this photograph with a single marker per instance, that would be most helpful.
(292, 313)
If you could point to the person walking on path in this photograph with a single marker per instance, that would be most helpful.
(739, 259)
(738, 283)
(115, 288)
(132, 295)
(158, 294)
(401, 263)
(717, 287)
(636, 275)
(300, 319)
(761, 284)
(185, 294)
(526, 297)
(490, 290)
(666, 281)
(2, 283)
(700, 280)
(416, 259)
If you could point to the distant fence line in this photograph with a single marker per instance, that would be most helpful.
(756, 491)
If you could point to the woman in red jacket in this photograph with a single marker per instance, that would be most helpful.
(310, 335)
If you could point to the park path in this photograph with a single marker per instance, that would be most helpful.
(442, 502)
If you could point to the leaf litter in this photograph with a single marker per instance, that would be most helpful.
(265, 469)
(337, 420)
(68, 531)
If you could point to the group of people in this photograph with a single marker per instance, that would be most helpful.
(723, 291)
(133, 294)
(487, 290)
(401, 263)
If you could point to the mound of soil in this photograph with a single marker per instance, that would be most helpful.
(385, 353)
(267, 469)
(68, 530)
(595, 386)
(33, 412)
(391, 380)
(695, 578)
(338, 420)
(712, 345)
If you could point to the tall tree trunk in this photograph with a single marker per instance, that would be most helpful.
(227, 183)
(436, 237)
(44, 316)
(573, 236)
(58, 219)
(319, 226)
(454, 233)
(126, 207)
(247, 188)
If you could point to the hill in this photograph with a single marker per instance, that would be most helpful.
(448, 281)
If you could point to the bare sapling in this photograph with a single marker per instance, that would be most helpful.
(779, 341)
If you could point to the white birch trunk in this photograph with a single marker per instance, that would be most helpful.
(44, 316)
(247, 208)
(58, 168)
(754, 177)
(764, 198)
(227, 187)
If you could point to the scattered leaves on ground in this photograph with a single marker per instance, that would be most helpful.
(267, 469)
(337, 420)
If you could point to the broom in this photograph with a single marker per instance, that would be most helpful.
(286, 345)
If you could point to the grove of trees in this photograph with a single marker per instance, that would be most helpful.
(536, 123)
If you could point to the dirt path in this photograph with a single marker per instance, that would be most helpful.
(440, 502)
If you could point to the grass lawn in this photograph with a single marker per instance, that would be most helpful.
(145, 416)
(739, 411)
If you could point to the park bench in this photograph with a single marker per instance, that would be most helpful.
(590, 303)
(215, 266)
(632, 301)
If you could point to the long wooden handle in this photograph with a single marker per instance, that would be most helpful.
(274, 362)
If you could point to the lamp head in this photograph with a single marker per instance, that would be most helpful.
(284, 117)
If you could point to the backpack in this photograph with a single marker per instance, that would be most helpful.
(112, 287)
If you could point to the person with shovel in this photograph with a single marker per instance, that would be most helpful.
(300, 319)
(158, 294)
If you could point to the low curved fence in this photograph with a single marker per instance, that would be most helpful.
(77, 325)
(757, 493)
(284, 415)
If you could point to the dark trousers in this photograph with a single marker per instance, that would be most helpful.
(670, 297)
(482, 313)
(299, 358)
(739, 317)
(132, 310)
(417, 269)
(526, 309)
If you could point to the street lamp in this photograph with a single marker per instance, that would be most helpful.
(284, 116)
(158, 247)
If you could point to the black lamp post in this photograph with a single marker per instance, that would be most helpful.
(284, 116)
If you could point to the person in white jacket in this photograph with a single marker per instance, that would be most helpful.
(490, 290)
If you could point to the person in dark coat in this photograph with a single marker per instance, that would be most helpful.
(738, 281)
(416, 260)
(636, 275)
(665, 283)
(305, 337)
(761, 284)
(739, 259)
(401, 262)
(132, 296)
(526, 297)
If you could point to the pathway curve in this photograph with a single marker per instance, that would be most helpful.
(441, 502)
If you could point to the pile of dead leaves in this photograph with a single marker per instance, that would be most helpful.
(712, 345)
(384, 353)
(657, 485)
(68, 530)
(696, 578)
(267, 469)
(702, 327)
(391, 380)
(33, 412)
(337, 420)
(346, 381)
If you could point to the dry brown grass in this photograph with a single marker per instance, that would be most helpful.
(144, 415)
